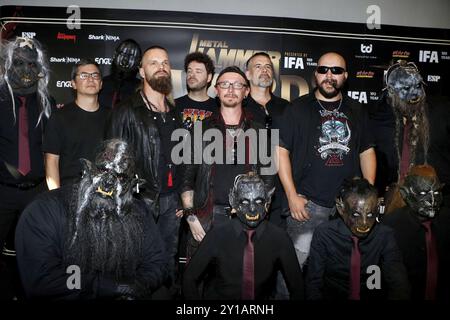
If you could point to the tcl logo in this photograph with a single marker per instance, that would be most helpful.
(107, 61)
(63, 84)
(366, 49)
(428, 56)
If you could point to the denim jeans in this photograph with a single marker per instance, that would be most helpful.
(168, 225)
(301, 233)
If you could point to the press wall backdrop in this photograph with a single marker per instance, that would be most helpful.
(293, 44)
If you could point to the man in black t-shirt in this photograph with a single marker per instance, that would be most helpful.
(197, 105)
(77, 129)
(323, 140)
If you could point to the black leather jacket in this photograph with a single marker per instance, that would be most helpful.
(133, 122)
(197, 177)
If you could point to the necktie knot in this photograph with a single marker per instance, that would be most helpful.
(427, 225)
(250, 233)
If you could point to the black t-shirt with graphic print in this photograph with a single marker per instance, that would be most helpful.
(192, 111)
(330, 154)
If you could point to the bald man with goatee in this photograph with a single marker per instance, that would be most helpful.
(323, 140)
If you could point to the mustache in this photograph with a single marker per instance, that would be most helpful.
(333, 82)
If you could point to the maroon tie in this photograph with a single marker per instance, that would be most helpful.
(406, 152)
(355, 271)
(24, 145)
(432, 262)
(248, 269)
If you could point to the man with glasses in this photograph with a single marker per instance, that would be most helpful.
(74, 131)
(324, 139)
(206, 186)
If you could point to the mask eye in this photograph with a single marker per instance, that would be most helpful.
(370, 215)
(406, 87)
(245, 202)
(355, 214)
(259, 201)
(423, 193)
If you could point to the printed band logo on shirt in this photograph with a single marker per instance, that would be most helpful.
(335, 137)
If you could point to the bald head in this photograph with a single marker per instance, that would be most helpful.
(330, 76)
(332, 59)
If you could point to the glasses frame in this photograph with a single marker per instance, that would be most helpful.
(232, 84)
(334, 70)
(87, 75)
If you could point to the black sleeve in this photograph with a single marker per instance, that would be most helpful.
(316, 267)
(285, 124)
(367, 136)
(290, 268)
(198, 265)
(53, 135)
(393, 269)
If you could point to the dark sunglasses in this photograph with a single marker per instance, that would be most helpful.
(334, 70)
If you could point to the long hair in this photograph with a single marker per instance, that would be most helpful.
(6, 57)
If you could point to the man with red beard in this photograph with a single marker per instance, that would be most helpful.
(147, 121)
(323, 140)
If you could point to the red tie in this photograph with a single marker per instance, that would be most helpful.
(355, 271)
(432, 262)
(406, 152)
(24, 145)
(248, 270)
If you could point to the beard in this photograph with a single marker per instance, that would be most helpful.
(98, 240)
(329, 94)
(406, 109)
(263, 82)
(161, 84)
(198, 86)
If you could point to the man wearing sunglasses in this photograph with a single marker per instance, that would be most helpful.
(76, 130)
(323, 140)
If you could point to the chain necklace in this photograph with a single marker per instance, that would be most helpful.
(331, 111)
(153, 108)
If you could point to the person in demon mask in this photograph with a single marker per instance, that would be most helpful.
(240, 260)
(122, 82)
(401, 128)
(25, 104)
(346, 252)
(422, 230)
(93, 239)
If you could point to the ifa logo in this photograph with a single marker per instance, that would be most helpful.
(63, 36)
(428, 56)
(366, 48)
(360, 96)
(293, 63)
